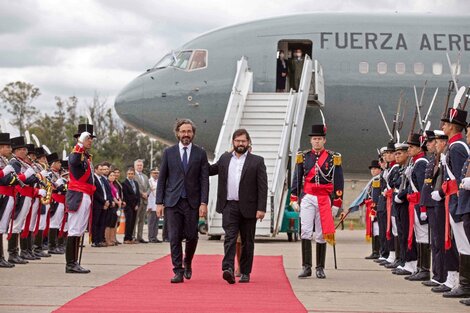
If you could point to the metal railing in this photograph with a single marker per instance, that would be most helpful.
(242, 85)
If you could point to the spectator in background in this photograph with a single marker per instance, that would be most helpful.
(143, 182)
(111, 216)
(152, 208)
(281, 71)
(295, 70)
(101, 203)
(118, 186)
(131, 192)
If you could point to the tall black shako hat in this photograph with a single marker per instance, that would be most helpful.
(84, 128)
(390, 146)
(374, 164)
(18, 142)
(40, 152)
(416, 140)
(319, 129)
(5, 139)
(53, 157)
(455, 115)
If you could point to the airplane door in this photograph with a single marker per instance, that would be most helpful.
(289, 46)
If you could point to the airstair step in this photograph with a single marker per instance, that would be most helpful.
(263, 116)
(268, 96)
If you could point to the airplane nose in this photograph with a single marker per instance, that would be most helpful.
(128, 101)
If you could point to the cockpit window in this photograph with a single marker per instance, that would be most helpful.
(182, 59)
(166, 61)
(199, 60)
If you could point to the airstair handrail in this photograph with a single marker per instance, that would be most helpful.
(301, 105)
(280, 168)
(242, 85)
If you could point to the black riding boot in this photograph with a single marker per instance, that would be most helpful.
(38, 246)
(24, 253)
(4, 263)
(321, 256)
(61, 243)
(306, 259)
(375, 251)
(53, 249)
(13, 256)
(463, 290)
(424, 262)
(71, 256)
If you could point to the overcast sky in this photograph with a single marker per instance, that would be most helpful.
(78, 47)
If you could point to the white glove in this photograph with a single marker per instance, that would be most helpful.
(397, 200)
(295, 206)
(8, 169)
(29, 172)
(443, 159)
(408, 171)
(83, 136)
(436, 196)
(423, 216)
(334, 210)
(465, 183)
(42, 193)
(59, 182)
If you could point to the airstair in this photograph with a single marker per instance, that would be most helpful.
(274, 121)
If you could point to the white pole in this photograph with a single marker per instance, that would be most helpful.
(151, 154)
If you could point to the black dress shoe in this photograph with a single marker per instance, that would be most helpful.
(459, 292)
(55, 251)
(16, 259)
(306, 272)
(402, 272)
(5, 264)
(75, 268)
(440, 289)
(420, 276)
(320, 273)
(42, 254)
(178, 278)
(188, 272)
(26, 256)
(143, 241)
(466, 301)
(373, 256)
(245, 278)
(430, 283)
(228, 276)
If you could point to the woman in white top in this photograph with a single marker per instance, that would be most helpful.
(152, 208)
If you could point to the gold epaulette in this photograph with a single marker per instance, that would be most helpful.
(299, 157)
(337, 160)
(428, 181)
(376, 183)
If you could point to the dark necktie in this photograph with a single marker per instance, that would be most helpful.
(185, 168)
(185, 159)
(133, 185)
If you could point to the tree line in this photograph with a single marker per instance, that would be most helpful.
(115, 142)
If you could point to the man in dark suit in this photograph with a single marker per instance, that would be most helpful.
(183, 189)
(241, 198)
(130, 190)
(101, 202)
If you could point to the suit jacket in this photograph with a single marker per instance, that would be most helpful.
(98, 196)
(253, 188)
(172, 177)
(131, 198)
(143, 185)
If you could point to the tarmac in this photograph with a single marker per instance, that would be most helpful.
(358, 285)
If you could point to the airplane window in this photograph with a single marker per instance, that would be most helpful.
(166, 61)
(199, 60)
(437, 68)
(182, 59)
(363, 67)
(454, 65)
(381, 68)
(400, 68)
(419, 68)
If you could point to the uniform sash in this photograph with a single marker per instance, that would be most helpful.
(388, 196)
(450, 188)
(413, 200)
(369, 204)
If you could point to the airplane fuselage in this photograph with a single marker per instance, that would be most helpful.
(398, 51)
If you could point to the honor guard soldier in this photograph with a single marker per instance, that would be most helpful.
(372, 225)
(435, 213)
(385, 207)
(57, 208)
(78, 197)
(418, 220)
(24, 200)
(8, 180)
(318, 178)
(400, 212)
(453, 162)
(464, 211)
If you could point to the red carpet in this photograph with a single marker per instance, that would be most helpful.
(148, 289)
